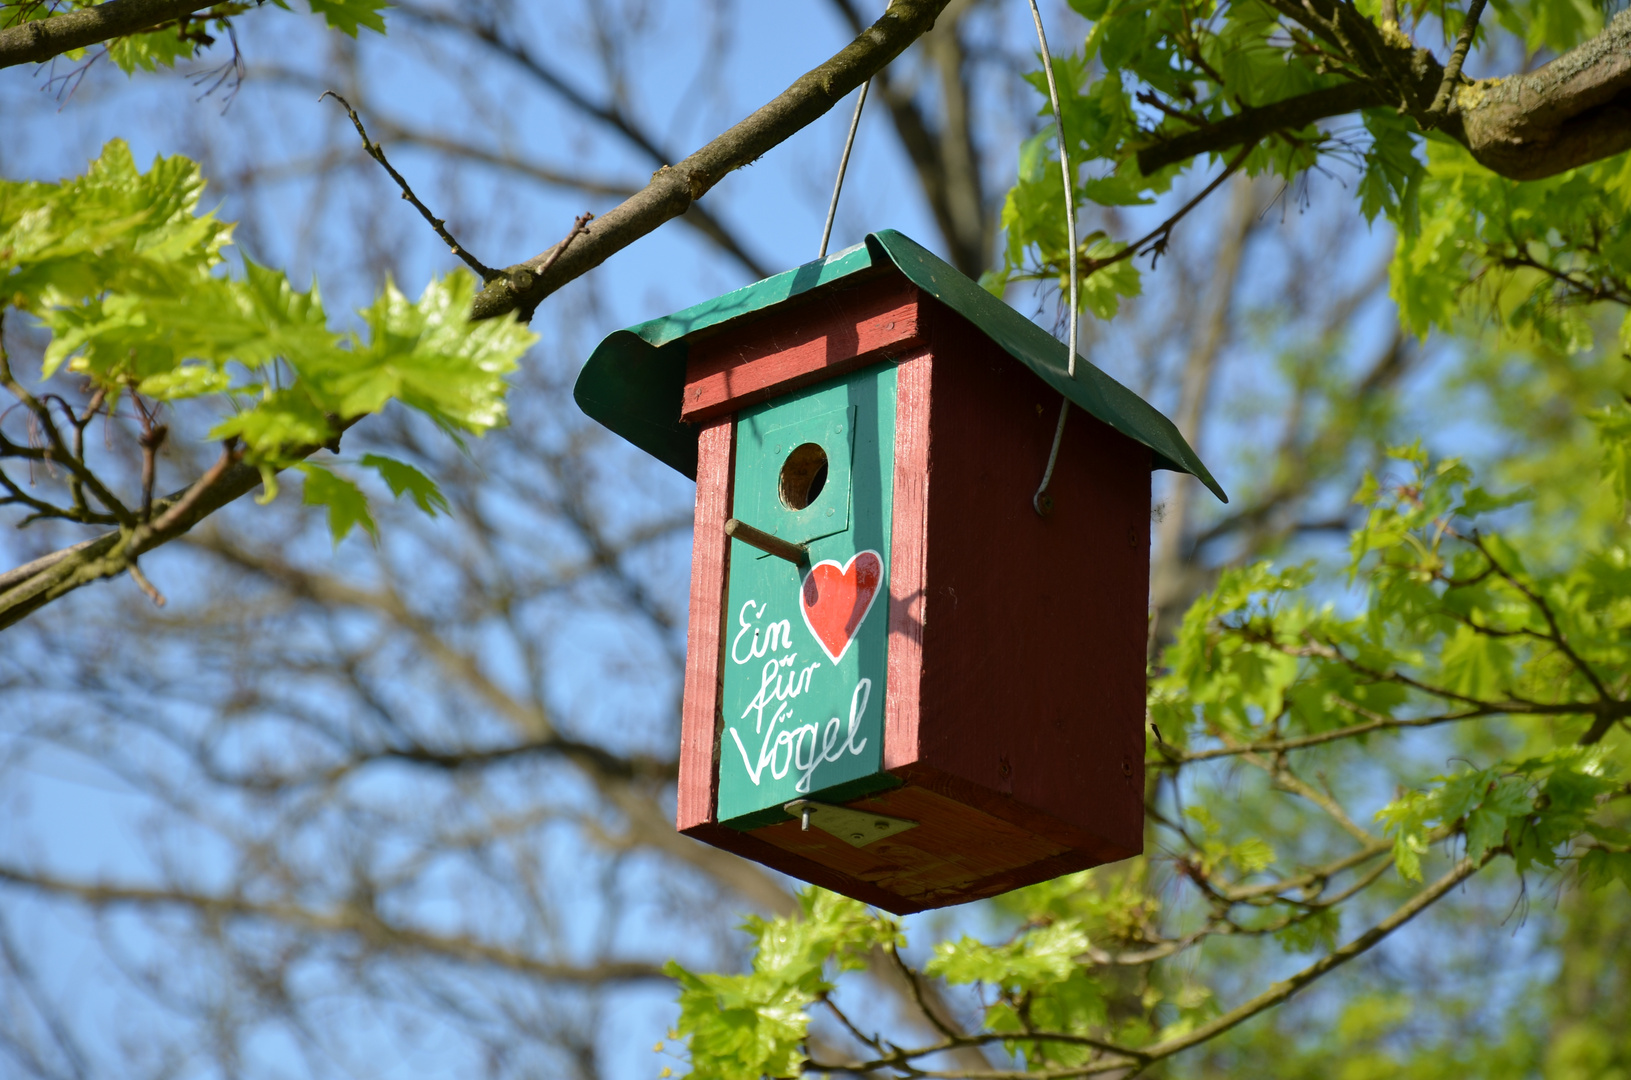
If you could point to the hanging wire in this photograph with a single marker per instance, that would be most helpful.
(843, 164)
(1040, 501)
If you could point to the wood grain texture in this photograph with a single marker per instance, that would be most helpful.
(908, 550)
(830, 333)
(1033, 628)
(958, 853)
(754, 845)
(710, 552)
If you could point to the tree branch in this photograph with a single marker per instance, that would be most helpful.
(349, 918)
(1363, 943)
(1571, 112)
(1252, 125)
(674, 188)
(26, 589)
(671, 192)
(612, 116)
(1458, 56)
(38, 40)
(439, 225)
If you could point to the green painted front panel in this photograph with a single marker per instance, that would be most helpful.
(798, 721)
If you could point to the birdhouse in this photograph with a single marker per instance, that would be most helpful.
(902, 683)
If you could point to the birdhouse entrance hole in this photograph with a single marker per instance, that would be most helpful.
(804, 474)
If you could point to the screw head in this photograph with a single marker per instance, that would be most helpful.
(880, 824)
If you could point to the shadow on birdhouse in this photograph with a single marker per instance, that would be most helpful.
(902, 683)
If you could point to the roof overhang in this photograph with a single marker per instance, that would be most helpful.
(634, 381)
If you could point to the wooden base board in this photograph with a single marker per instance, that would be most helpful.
(958, 852)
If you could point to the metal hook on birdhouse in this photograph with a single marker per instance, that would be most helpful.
(1041, 502)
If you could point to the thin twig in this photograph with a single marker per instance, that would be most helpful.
(377, 152)
(916, 988)
(146, 586)
(230, 453)
(1452, 70)
(580, 225)
(58, 451)
(856, 1033)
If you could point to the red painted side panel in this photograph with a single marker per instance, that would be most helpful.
(909, 547)
(828, 335)
(698, 784)
(1033, 628)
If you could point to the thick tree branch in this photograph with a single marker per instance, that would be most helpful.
(1251, 125)
(674, 188)
(1571, 112)
(31, 587)
(37, 41)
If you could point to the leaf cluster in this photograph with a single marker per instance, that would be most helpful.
(131, 280)
(1437, 621)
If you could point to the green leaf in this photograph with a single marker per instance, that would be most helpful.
(1600, 867)
(347, 505)
(1317, 931)
(1477, 665)
(428, 355)
(347, 15)
(402, 477)
(1045, 955)
(112, 230)
(1614, 436)
(281, 421)
(752, 1025)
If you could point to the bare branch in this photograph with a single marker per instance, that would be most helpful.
(1570, 112)
(1451, 79)
(674, 188)
(349, 918)
(38, 40)
(377, 152)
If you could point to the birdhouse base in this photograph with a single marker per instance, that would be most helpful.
(958, 852)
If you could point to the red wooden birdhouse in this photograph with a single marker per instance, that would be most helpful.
(902, 683)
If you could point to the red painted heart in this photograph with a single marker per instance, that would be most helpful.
(835, 600)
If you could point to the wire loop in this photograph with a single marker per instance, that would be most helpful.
(1040, 502)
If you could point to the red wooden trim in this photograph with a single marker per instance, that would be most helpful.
(908, 555)
(840, 331)
(710, 555)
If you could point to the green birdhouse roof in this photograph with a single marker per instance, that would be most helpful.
(635, 378)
